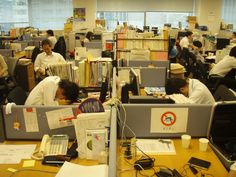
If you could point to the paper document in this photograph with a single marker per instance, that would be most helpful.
(60, 118)
(31, 120)
(156, 146)
(13, 154)
(74, 170)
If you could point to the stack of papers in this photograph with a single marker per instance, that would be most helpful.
(156, 146)
(13, 154)
(74, 170)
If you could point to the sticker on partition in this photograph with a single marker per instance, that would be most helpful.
(169, 120)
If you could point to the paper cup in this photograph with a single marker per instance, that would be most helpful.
(203, 143)
(185, 141)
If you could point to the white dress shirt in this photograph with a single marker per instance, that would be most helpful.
(199, 93)
(44, 93)
(184, 43)
(3, 67)
(43, 60)
(224, 66)
(53, 40)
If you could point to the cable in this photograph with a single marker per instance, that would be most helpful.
(41, 171)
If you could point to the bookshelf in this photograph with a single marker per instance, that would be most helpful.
(126, 42)
(92, 72)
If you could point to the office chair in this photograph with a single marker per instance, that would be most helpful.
(60, 46)
(9, 82)
(17, 95)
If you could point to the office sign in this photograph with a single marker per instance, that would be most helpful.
(169, 120)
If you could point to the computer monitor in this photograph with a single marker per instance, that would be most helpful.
(134, 82)
(103, 92)
(146, 28)
(222, 43)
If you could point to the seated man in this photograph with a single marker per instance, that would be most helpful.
(225, 68)
(46, 58)
(53, 91)
(191, 88)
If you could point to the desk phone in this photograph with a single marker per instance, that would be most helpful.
(56, 145)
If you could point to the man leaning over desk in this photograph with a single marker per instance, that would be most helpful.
(46, 58)
(53, 91)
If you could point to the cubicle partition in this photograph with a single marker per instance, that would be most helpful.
(158, 75)
(141, 118)
(25, 116)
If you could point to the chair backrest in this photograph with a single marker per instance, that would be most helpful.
(60, 46)
(11, 63)
(35, 53)
(17, 95)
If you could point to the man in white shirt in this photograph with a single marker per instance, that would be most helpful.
(53, 91)
(191, 88)
(185, 41)
(224, 68)
(43, 60)
(51, 37)
(225, 65)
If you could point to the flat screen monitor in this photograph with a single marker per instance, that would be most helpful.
(134, 82)
(222, 131)
(146, 28)
(222, 43)
(104, 90)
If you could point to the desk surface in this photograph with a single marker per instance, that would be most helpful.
(177, 161)
(38, 165)
(172, 161)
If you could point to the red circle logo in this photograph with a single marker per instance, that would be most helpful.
(168, 118)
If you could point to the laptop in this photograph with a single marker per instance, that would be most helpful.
(222, 131)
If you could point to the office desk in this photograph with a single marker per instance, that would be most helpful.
(38, 165)
(176, 161)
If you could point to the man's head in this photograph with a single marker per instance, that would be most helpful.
(67, 90)
(50, 32)
(177, 85)
(232, 52)
(47, 46)
(189, 34)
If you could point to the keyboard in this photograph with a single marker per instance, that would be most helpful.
(58, 145)
(180, 98)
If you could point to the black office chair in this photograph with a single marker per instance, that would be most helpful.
(60, 46)
(17, 95)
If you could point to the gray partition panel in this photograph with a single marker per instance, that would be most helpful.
(146, 63)
(153, 77)
(138, 117)
(17, 111)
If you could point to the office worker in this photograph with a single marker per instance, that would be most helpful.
(3, 67)
(53, 91)
(46, 58)
(185, 42)
(233, 38)
(191, 88)
(88, 36)
(224, 68)
(51, 37)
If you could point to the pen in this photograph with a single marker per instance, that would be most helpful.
(68, 118)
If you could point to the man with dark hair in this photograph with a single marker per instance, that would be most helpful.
(53, 91)
(185, 42)
(226, 68)
(51, 37)
(46, 58)
(191, 88)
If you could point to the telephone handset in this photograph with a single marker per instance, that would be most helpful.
(44, 144)
(55, 145)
